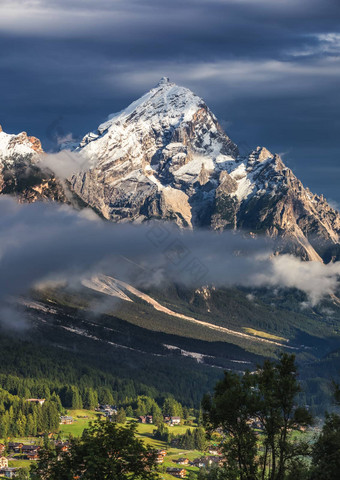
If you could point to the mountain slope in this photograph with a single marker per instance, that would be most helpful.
(268, 198)
(135, 337)
(166, 157)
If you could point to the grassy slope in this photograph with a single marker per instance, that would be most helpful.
(79, 425)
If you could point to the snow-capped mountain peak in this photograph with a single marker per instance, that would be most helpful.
(164, 107)
(165, 156)
(158, 149)
(14, 146)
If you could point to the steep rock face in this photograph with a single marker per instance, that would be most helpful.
(262, 195)
(20, 174)
(166, 157)
(158, 158)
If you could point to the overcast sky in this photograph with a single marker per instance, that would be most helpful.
(269, 69)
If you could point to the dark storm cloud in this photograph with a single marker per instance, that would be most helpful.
(268, 69)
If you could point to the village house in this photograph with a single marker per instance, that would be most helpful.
(8, 472)
(145, 419)
(160, 456)
(159, 459)
(2, 448)
(213, 451)
(15, 447)
(177, 472)
(182, 461)
(214, 459)
(31, 451)
(198, 462)
(66, 420)
(3, 462)
(175, 420)
(171, 420)
(29, 448)
(39, 401)
(107, 410)
(62, 446)
(32, 456)
(202, 462)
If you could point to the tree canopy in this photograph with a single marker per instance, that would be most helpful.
(105, 451)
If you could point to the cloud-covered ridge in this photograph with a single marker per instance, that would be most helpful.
(42, 242)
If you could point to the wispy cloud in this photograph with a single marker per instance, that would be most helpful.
(64, 164)
(319, 44)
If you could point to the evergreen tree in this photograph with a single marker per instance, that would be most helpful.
(161, 433)
(76, 398)
(23, 474)
(326, 451)
(186, 413)
(105, 396)
(121, 416)
(129, 411)
(56, 399)
(200, 439)
(172, 407)
(188, 440)
(199, 418)
(21, 424)
(91, 399)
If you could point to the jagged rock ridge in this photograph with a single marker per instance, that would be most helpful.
(166, 157)
(21, 173)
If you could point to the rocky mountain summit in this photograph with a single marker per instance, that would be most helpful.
(159, 158)
(166, 157)
(24, 175)
(20, 173)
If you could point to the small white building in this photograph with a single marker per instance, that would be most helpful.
(3, 462)
(175, 420)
